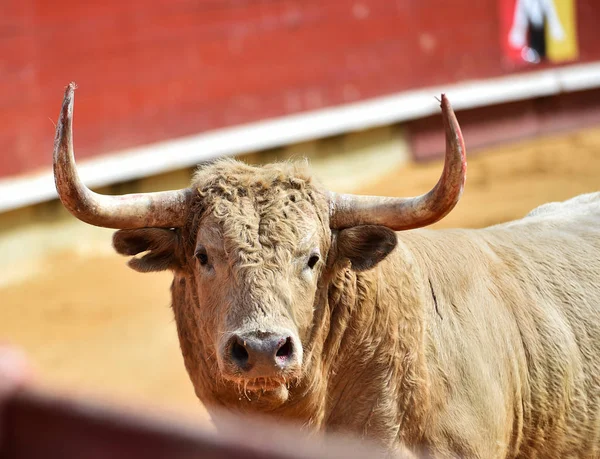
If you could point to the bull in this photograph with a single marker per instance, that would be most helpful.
(340, 312)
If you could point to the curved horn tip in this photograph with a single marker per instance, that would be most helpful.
(72, 86)
(450, 122)
(445, 103)
(67, 107)
(69, 93)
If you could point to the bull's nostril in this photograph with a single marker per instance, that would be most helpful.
(286, 349)
(239, 352)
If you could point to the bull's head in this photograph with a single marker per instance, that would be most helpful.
(253, 252)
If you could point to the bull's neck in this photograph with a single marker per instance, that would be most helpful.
(373, 363)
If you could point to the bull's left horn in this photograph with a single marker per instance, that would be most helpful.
(347, 210)
(165, 209)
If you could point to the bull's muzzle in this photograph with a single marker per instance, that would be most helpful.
(256, 355)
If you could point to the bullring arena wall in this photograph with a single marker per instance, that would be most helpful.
(168, 86)
(349, 84)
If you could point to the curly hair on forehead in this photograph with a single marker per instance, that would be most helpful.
(259, 209)
(227, 177)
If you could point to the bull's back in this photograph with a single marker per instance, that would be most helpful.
(518, 318)
(553, 257)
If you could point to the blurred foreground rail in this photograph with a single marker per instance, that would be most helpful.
(38, 424)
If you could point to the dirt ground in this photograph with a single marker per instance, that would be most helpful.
(92, 325)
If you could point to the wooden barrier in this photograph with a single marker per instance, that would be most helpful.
(42, 425)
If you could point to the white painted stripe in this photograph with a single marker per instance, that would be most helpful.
(184, 152)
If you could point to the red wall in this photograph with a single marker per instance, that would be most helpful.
(151, 70)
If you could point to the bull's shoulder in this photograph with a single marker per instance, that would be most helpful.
(584, 209)
(584, 203)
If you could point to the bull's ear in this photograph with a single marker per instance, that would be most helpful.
(366, 245)
(161, 245)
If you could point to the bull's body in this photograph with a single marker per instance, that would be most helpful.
(482, 343)
(503, 330)
(304, 304)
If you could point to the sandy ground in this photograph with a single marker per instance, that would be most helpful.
(91, 324)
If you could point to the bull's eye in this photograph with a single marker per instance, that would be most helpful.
(202, 256)
(313, 260)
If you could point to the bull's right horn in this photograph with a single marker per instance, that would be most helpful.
(167, 209)
(347, 210)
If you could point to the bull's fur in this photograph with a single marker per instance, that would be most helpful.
(477, 343)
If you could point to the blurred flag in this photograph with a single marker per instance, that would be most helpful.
(534, 31)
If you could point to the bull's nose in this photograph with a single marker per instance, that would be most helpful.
(261, 354)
